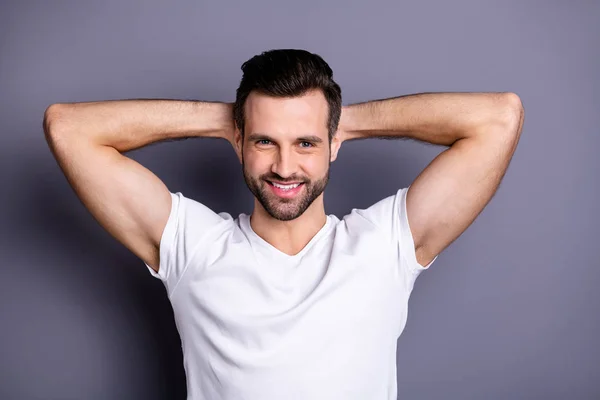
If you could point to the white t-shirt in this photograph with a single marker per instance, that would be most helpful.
(258, 324)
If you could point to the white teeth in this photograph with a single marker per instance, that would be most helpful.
(285, 187)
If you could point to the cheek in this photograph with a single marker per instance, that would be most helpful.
(254, 164)
(309, 164)
(318, 162)
(315, 166)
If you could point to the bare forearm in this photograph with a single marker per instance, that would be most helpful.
(130, 124)
(438, 118)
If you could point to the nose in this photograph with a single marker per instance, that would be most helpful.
(284, 164)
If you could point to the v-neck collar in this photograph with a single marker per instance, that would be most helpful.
(255, 238)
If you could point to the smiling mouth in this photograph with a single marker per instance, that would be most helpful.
(283, 184)
(286, 190)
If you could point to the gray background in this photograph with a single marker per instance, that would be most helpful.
(508, 311)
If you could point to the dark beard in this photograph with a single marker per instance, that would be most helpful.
(285, 209)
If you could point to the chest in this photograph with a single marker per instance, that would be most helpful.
(249, 302)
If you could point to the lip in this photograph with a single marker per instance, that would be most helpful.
(283, 183)
(286, 193)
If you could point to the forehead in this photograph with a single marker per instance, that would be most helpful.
(289, 115)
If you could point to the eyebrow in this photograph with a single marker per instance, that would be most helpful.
(262, 136)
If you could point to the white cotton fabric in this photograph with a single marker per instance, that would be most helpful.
(258, 324)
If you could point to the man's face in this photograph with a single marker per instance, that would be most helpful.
(286, 141)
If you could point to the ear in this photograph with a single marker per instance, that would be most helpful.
(238, 142)
(336, 143)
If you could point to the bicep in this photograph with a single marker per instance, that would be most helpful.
(454, 188)
(126, 199)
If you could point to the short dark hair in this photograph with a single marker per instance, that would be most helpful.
(288, 73)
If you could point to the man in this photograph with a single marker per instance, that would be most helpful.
(288, 302)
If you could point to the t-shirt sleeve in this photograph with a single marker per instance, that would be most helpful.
(390, 215)
(189, 221)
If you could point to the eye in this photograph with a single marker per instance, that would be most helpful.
(262, 140)
(306, 147)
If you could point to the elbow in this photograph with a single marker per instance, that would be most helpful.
(53, 116)
(513, 113)
(504, 119)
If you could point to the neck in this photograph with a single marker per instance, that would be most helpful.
(289, 237)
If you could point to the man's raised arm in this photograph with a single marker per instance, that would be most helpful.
(127, 199)
(482, 130)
